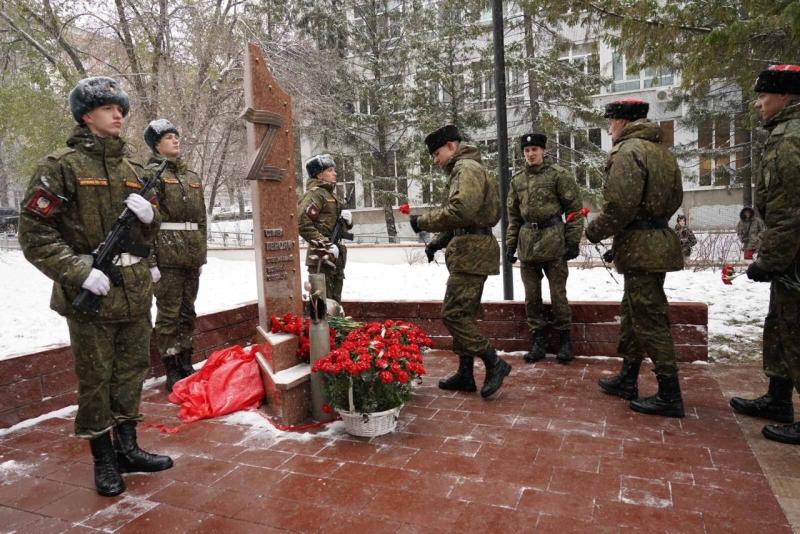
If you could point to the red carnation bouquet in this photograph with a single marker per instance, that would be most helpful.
(378, 361)
(583, 212)
(294, 324)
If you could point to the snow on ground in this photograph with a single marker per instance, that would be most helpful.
(229, 279)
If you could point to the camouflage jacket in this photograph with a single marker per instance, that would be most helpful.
(72, 201)
(778, 191)
(180, 199)
(473, 201)
(537, 195)
(749, 232)
(317, 213)
(643, 183)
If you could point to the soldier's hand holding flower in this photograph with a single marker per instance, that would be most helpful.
(756, 273)
(140, 207)
(571, 251)
(97, 282)
(414, 226)
(155, 274)
(347, 215)
(608, 256)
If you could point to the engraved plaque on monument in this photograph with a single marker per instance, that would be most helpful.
(270, 146)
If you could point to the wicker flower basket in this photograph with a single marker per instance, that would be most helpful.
(370, 424)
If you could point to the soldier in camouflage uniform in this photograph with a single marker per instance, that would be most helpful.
(464, 224)
(179, 252)
(643, 190)
(537, 198)
(317, 213)
(777, 193)
(749, 229)
(73, 200)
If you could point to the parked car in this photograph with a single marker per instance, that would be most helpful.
(9, 220)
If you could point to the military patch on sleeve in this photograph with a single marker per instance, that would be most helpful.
(42, 203)
(313, 212)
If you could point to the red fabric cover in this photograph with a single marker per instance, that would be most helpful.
(228, 382)
(748, 254)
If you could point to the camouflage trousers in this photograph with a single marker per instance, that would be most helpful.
(782, 336)
(111, 362)
(460, 309)
(644, 324)
(334, 278)
(556, 272)
(175, 295)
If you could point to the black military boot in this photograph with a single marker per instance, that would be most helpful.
(107, 479)
(667, 402)
(463, 380)
(776, 405)
(172, 366)
(784, 433)
(537, 351)
(185, 363)
(625, 384)
(496, 370)
(565, 351)
(130, 457)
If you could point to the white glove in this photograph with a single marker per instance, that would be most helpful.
(333, 250)
(155, 274)
(140, 207)
(347, 215)
(97, 282)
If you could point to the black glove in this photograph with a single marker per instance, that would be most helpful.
(414, 226)
(430, 251)
(571, 251)
(756, 273)
(511, 255)
(608, 256)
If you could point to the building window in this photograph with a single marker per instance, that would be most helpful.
(583, 57)
(573, 149)
(716, 151)
(627, 79)
(345, 179)
(482, 87)
(380, 190)
(667, 133)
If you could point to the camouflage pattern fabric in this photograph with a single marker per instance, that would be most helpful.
(317, 212)
(111, 362)
(473, 201)
(72, 201)
(180, 200)
(175, 294)
(460, 309)
(557, 273)
(777, 192)
(643, 183)
(537, 195)
(749, 232)
(644, 323)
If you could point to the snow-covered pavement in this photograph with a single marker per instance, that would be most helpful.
(735, 312)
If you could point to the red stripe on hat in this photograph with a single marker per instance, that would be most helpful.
(791, 68)
(630, 101)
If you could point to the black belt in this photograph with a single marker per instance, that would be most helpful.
(547, 223)
(648, 224)
(473, 230)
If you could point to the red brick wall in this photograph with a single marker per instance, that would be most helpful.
(594, 325)
(34, 384)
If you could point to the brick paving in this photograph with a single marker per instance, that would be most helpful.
(549, 454)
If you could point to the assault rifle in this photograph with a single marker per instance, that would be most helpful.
(116, 242)
(340, 229)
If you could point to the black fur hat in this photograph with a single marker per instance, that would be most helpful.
(533, 139)
(438, 138)
(319, 163)
(781, 79)
(91, 93)
(156, 130)
(628, 108)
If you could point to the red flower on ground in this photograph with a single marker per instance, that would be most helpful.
(327, 408)
(405, 209)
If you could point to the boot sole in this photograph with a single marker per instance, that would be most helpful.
(780, 438)
(473, 389)
(532, 359)
(678, 414)
(110, 493)
(124, 467)
(506, 372)
(627, 395)
(788, 418)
